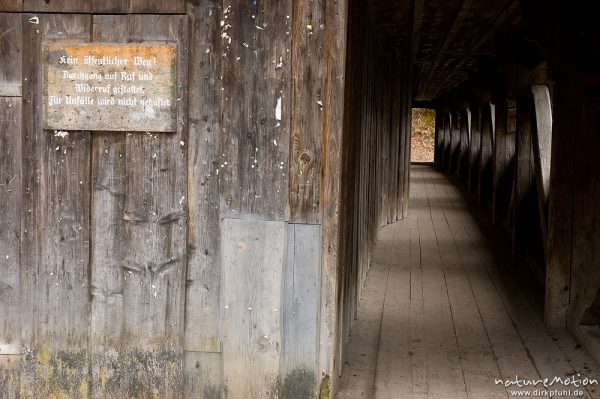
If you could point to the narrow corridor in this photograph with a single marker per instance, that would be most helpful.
(445, 311)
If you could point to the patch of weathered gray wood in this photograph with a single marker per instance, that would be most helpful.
(10, 55)
(203, 361)
(253, 255)
(301, 292)
(10, 247)
(253, 169)
(306, 136)
(56, 232)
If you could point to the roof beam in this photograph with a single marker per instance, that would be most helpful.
(507, 11)
(450, 37)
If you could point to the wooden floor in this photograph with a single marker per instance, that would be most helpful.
(445, 311)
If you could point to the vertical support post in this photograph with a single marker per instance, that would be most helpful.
(474, 148)
(499, 159)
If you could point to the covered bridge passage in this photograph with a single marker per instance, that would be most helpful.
(214, 199)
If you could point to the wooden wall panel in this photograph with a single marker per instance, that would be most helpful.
(253, 254)
(499, 160)
(55, 241)
(253, 168)
(463, 167)
(10, 246)
(10, 55)
(308, 38)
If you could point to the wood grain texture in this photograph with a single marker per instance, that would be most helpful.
(10, 55)
(55, 224)
(110, 6)
(308, 37)
(11, 5)
(109, 175)
(253, 167)
(301, 307)
(157, 6)
(253, 255)
(465, 125)
(63, 6)
(335, 54)
(10, 246)
(202, 332)
(155, 229)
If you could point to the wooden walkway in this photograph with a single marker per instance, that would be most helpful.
(445, 311)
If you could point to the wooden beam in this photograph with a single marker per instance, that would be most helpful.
(509, 9)
(450, 38)
(541, 134)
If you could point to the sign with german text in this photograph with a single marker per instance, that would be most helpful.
(110, 87)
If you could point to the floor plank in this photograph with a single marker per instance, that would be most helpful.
(446, 312)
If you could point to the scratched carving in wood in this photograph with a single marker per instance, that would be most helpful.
(110, 87)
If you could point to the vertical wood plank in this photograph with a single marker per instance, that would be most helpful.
(560, 214)
(10, 247)
(335, 56)
(308, 35)
(254, 142)
(55, 232)
(155, 229)
(106, 254)
(475, 148)
(10, 55)
(301, 306)
(253, 254)
(203, 360)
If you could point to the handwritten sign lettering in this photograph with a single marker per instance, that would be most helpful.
(110, 87)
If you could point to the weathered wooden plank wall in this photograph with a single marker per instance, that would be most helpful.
(11, 179)
(138, 249)
(376, 152)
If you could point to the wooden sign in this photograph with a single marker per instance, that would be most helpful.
(110, 87)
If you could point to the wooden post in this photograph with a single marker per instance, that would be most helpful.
(485, 166)
(475, 148)
(499, 159)
(524, 177)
